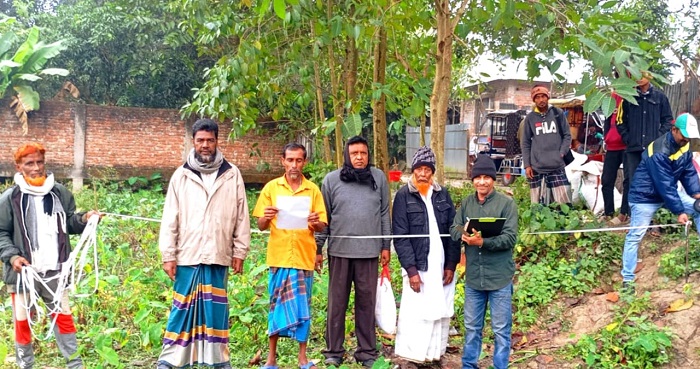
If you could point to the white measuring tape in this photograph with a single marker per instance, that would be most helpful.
(71, 273)
(384, 237)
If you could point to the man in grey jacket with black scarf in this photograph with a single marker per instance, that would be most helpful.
(357, 204)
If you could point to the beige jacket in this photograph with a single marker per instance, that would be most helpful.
(205, 228)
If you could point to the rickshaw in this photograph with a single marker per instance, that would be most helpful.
(499, 136)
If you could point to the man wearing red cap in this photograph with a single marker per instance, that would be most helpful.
(545, 140)
(36, 217)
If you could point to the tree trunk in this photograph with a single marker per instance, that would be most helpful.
(350, 73)
(381, 151)
(337, 99)
(439, 100)
(320, 106)
(441, 86)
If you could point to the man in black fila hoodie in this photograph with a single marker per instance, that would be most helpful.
(545, 140)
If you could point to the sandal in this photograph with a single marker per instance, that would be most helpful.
(308, 365)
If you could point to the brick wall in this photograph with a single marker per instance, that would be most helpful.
(91, 141)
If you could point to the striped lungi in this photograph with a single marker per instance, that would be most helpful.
(290, 303)
(197, 330)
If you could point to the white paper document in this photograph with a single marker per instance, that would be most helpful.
(293, 212)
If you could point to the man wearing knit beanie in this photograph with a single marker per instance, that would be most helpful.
(545, 140)
(424, 156)
(484, 165)
(423, 207)
(490, 266)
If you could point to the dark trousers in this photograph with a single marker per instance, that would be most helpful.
(363, 274)
(612, 162)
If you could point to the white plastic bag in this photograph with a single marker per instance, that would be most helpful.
(385, 309)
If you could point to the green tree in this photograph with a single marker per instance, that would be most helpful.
(21, 66)
(126, 52)
(282, 52)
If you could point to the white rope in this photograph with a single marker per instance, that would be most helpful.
(77, 260)
(385, 237)
(30, 298)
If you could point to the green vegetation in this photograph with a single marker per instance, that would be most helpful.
(121, 326)
(632, 340)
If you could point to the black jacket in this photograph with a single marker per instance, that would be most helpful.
(646, 121)
(410, 216)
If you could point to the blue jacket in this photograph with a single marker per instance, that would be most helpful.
(664, 163)
(648, 120)
(410, 216)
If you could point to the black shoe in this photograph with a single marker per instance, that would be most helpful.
(335, 361)
(368, 363)
(628, 288)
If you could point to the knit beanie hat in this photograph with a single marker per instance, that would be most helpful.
(484, 166)
(424, 156)
(539, 90)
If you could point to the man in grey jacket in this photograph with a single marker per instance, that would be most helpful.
(357, 204)
(36, 217)
(545, 140)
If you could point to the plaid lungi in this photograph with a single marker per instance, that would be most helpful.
(290, 303)
(556, 182)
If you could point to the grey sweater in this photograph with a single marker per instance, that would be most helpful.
(546, 138)
(355, 209)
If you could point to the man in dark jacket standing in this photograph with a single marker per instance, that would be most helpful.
(665, 161)
(545, 140)
(644, 122)
(36, 216)
(490, 265)
(357, 204)
(614, 156)
(423, 207)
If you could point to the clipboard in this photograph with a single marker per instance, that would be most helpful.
(489, 227)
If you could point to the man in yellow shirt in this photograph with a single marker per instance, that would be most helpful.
(291, 250)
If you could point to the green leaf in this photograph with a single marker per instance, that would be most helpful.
(9, 64)
(608, 105)
(27, 97)
(27, 77)
(587, 84)
(593, 101)
(108, 354)
(3, 352)
(142, 314)
(621, 56)
(279, 6)
(55, 71)
(6, 42)
(590, 44)
(25, 50)
(352, 125)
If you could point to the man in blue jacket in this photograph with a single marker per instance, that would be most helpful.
(665, 161)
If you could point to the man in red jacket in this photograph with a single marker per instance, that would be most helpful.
(614, 155)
